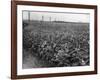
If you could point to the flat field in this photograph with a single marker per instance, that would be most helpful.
(55, 43)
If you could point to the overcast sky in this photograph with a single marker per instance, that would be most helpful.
(47, 16)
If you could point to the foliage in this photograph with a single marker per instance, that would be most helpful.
(58, 48)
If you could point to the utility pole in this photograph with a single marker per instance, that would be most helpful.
(42, 18)
(50, 19)
(29, 16)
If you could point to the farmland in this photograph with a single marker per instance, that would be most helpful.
(56, 43)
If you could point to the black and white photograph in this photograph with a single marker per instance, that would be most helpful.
(55, 39)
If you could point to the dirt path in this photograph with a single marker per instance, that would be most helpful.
(30, 61)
